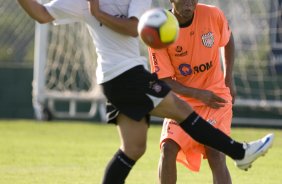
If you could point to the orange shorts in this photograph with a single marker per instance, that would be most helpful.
(191, 152)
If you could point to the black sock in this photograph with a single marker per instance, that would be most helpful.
(118, 169)
(201, 131)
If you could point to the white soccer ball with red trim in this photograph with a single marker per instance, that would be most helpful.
(158, 28)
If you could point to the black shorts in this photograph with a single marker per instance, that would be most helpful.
(134, 93)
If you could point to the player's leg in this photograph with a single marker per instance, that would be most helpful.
(172, 107)
(167, 162)
(217, 163)
(221, 119)
(128, 107)
(201, 131)
(133, 136)
(196, 127)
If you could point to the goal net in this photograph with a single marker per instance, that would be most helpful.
(257, 30)
(64, 72)
(64, 64)
(64, 83)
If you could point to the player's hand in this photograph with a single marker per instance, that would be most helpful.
(210, 99)
(94, 8)
(230, 85)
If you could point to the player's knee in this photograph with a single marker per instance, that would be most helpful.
(135, 152)
(181, 110)
(170, 149)
(139, 151)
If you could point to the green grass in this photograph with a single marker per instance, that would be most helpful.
(77, 152)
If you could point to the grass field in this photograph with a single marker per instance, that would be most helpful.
(76, 153)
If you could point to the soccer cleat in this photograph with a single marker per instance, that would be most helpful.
(254, 150)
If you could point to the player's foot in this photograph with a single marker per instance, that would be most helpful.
(254, 150)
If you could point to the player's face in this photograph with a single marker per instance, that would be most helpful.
(184, 8)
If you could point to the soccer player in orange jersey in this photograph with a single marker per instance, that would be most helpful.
(133, 93)
(191, 66)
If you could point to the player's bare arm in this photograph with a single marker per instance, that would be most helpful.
(206, 96)
(229, 55)
(36, 11)
(122, 25)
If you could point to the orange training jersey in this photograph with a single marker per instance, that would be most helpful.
(194, 59)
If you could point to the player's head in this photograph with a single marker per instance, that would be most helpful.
(184, 8)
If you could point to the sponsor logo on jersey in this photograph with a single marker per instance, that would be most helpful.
(180, 52)
(155, 63)
(208, 39)
(186, 69)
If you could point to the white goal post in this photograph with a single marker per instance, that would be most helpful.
(64, 72)
(52, 84)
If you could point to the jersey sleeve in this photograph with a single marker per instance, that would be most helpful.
(65, 11)
(224, 29)
(138, 7)
(160, 63)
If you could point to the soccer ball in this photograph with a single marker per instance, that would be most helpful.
(158, 28)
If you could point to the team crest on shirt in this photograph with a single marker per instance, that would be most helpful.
(208, 39)
(155, 86)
